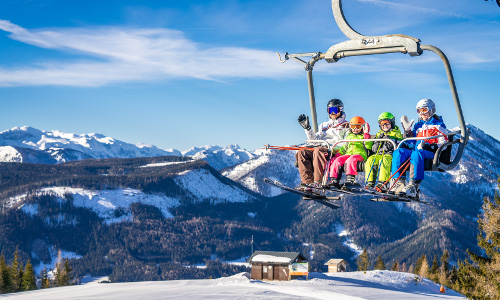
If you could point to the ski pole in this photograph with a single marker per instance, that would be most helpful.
(380, 164)
(402, 165)
(406, 164)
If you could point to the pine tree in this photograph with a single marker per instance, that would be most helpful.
(29, 280)
(363, 261)
(19, 277)
(14, 273)
(68, 277)
(424, 267)
(5, 282)
(45, 282)
(480, 279)
(416, 270)
(433, 273)
(379, 265)
(444, 276)
(395, 266)
(445, 266)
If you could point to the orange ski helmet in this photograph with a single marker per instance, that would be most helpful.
(357, 121)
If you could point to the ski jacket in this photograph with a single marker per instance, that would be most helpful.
(356, 147)
(330, 131)
(386, 147)
(431, 127)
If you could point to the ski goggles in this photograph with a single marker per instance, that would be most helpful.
(384, 122)
(422, 110)
(333, 110)
(355, 126)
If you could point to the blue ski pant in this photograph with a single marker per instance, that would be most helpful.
(417, 157)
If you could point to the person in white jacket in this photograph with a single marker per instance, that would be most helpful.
(312, 163)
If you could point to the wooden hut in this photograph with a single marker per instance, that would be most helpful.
(336, 265)
(271, 265)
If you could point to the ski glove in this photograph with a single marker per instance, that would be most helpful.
(304, 122)
(366, 130)
(388, 147)
(406, 124)
(429, 147)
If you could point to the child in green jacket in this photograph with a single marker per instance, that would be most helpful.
(351, 153)
(381, 161)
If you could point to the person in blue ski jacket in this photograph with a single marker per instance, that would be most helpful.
(429, 124)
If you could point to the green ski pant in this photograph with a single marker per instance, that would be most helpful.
(385, 167)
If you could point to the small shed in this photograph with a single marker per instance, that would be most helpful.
(336, 265)
(272, 265)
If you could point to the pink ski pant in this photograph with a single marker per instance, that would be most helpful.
(351, 162)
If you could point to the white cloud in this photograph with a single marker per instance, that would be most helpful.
(121, 54)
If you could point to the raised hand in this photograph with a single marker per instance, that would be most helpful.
(304, 122)
(406, 124)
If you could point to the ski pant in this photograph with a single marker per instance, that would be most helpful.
(372, 167)
(351, 162)
(312, 164)
(417, 158)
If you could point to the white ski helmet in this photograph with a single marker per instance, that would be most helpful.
(429, 104)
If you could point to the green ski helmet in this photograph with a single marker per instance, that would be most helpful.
(387, 116)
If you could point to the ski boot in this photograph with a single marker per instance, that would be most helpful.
(349, 183)
(397, 187)
(411, 190)
(309, 187)
(370, 185)
(381, 187)
(334, 183)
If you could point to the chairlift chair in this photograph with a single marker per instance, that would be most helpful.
(358, 45)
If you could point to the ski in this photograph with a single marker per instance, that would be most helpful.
(316, 196)
(386, 197)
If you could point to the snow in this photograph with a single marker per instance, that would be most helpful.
(54, 260)
(105, 203)
(10, 154)
(204, 186)
(30, 209)
(165, 164)
(94, 145)
(270, 258)
(341, 231)
(341, 286)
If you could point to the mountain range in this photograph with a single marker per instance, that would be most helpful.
(138, 218)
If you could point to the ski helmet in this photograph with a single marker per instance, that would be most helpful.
(336, 105)
(357, 122)
(429, 104)
(387, 116)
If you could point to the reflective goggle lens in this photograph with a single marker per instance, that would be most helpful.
(385, 122)
(422, 110)
(333, 110)
(356, 126)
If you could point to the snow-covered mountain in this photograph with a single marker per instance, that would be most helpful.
(220, 158)
(277, 165)
(28, 144)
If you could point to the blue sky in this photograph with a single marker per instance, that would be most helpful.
(178, 74)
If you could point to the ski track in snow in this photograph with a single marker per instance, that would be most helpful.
(341, 286)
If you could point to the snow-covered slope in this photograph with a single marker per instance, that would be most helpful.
(342, 286)
(111, 205)
(220, 158)
(277, 165)
(40, 146)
